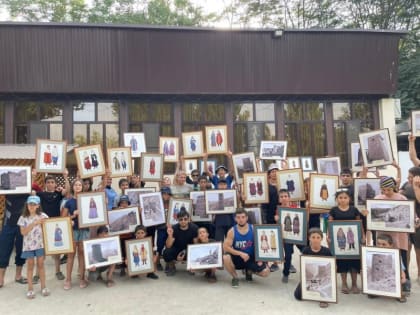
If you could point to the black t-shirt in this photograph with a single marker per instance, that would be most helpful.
(184, 237)
(271, 207)
(323, 252)
(50, 202)
(14, 208)
(351, 214)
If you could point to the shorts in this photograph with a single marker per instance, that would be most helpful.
(80, 235)
(251, 264)
(33, 253)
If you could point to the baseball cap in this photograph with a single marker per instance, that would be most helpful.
(221, 167)
(124, 198)
(33, 199)
(166, 190)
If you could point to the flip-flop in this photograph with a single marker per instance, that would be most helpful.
(345, 290)
(22, 280)
(355, 290)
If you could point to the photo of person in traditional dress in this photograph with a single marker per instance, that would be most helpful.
(58, 236)
(93, 209)
(324, 191)
(341, 239)
(273, 241)
(193, 144)
(123, 161)
(116, 161)
(260, 190)
(152, 167)
(143, 255)
(264, 242)
(86, 161)
(54, 154)
(252, 188)
(213, 139)
(290, 183)
(94, 158)
(165, 148)
(133, 143)
(287, 222)
(47, 155)
(219, 138)
(136, 256)
(171, 148)
(175, 211)
(296, 225)
(350, 238)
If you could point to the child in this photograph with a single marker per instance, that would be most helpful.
(203, 238)
(314, 249)
(30, 227)
(140, 232)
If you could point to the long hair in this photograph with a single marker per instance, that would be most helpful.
(25, 212)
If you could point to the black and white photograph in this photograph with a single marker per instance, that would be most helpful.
(124, 220)
(204, 256)
(133, 194)
(356, 157)
(220, 201)
(15, 180)
(273, 150)
(364, 189)
(307, 163)
(243, 163)
(254, 215)
(329, 165)
(198, 213)
(293, 162)
(152, 210)
(415, 123)
(102, 252)
(376, 148)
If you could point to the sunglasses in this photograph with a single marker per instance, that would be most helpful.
(183, 219)
(194, 175)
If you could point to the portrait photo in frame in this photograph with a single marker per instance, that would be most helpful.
(153, 212)
(133, 194)
(243, 163)
(169, 147)
(318, 278)
(322, 192)
(211, 166)
(273, 150)
(15, 180)
(176, 206)
(364, 189)
(376, 148)
(216, 139)
(119, 162)
(139, 256)
(292, 181)
(307, 163)
(329, 165)
(391, 215)
(101, 252)
(294, 225)
(51, 156)
(255, 188)
(254, 215)
(151, 167)
(92, 207)
(198, 211)
(346, 238)
(220, 201)
(268, 242)
(123, 220)
(192, 144)
(381, 271)
(58, 236)
(136, 141)
(190, 165)
(204, 256)
(90, 160)
(293, 162)
(415, 123)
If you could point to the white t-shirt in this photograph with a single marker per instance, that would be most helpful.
(33, 240)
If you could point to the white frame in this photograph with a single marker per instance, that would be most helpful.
(26, 189)
(112, 259)
(210, 196)
(194, 164)
(293, 160)
(201, 251)
(123, 211)
(415, 117)
(335, 161)
(157, 196)
(310, 161)
(140, 140)
(271, 144)
(199, 143)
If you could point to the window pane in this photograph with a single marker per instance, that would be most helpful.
(56, 131)
(363, 112)
(293, 111)
(135, 128)
(21, 134)
(239, 138)
(340, 142)
(318, 140)
(191, 112)
(80, 134)
(341, 111)
(25, 112)
(292, 139)
(243, 112)
(108, 111)
(51, 112)
(112, 135)
(95, 134)
(214, 112)
(255, 133)
(166, 130)
(269, 132)
(137, 112)
(161, 112)
(313, 111)
(264, 112)
(84, 112)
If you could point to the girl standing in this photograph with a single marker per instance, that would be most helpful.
(33, 246)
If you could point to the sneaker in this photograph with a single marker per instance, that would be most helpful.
(235, 283)
(63, 260)
(59, 275)
(35, 279)
(45, 292)
(248, 276)
(292, 269)
(212, 278)
(274, 268)
(152, 275)
(285, 279)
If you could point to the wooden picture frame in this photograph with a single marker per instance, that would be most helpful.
(243, 163)
(175, 206)
(318, 278)
(51, 156)
(255, 187)
(415, 123)
(169, 148)
(220, 201)
(381, 271)
(391, 215)
(198, 210)
(192, 144)
(152, 211)
(90, 160)
(139, 256)
(307, 163)
(102, 251)
(294, 225)
(216, 139)
(322, 192)
(137, 143)
(190, 165)
(273, 150)
(376, 148)
(293, 162)
(364, 189)
(151, 167)
(58, 236)
(15, 180)
(211, 166)
(346, 238)
(92, 207)
(119, 162)
(123, 220)
(204, 256)
(292, 181)
(268, 242)
(133, 194)
(254, 215)
(329, 165)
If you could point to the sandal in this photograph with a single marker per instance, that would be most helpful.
(45, 292)
(30, 295)
(22, 280)
(355, 290)
(345, 290)
(67, 285)
(323, 304)
(110, 283)
(83, 284)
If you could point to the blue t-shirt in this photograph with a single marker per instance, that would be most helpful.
(244, 243)
(71, 205)
(111, 196)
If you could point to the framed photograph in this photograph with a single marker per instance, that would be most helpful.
(268, 242)
(322, 191)
(211, 166)
(255, 188)
(139, 256)
(318, 278)
(92, 208)
(391, 215)
(293, 162)
(243, 163)
(364, 189)
(307, 163)
(169, 147)
(273, 150)
(133, 194)
(50, 156)
(292, 180)
(376, 148)
(204, 256)
(190, 165)
(294, 224)
(58, 236)
(90, 160)
(356, 157)
(119, 162)
(152, 210)
(151, 167)
(329, 165)
(254, 215)
(103, 251)
(381, 271)
(136, 141)
(175, 206)
(220, 201)
(415, 123)
(216, 139)
(15, 180)
(198, 210)
(346, 238)
(192, 143)
(124, 220)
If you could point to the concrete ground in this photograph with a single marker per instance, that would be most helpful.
(186, 294)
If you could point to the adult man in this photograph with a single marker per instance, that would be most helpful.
(239, 250)
(179, 236)
(346, 179)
